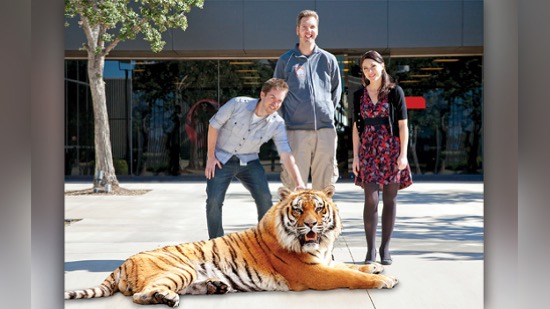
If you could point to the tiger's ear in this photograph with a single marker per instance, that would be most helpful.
(283, 192)
(329, 191)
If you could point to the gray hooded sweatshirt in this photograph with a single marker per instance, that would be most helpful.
(314, 88)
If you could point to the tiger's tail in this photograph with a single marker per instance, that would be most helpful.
(108, 287)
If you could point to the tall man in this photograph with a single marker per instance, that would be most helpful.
(235, 135)
(313, 77)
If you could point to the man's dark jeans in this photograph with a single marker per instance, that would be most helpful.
(251, 175)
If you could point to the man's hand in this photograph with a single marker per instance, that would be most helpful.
(210, 169)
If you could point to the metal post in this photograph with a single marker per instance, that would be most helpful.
(130, 140)
(128, 99)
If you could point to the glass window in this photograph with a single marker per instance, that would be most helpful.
(446, 130)
(159, 112)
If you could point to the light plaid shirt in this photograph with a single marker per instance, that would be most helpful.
(238, 136)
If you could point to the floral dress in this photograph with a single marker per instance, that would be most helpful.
(379, 150)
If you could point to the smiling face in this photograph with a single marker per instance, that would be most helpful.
(307, 30)
(372, 70)
(270, 101)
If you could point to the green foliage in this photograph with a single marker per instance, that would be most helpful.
(121, 166)
(157, 167)
(120, 20)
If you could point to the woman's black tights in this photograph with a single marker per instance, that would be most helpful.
(370, 218)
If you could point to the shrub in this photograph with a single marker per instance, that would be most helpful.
(121, 167)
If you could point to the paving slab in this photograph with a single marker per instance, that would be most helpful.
(437, 246)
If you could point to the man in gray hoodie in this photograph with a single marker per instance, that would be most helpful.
(315, 88)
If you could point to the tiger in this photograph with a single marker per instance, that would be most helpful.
(290, 249)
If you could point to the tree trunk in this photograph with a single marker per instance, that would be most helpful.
(102, 135)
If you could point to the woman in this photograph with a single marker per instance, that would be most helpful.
(380, 137)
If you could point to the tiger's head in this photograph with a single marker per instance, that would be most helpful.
(307, 220)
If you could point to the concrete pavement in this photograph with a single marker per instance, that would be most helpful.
(437, 246)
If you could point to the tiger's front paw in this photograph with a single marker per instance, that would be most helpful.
(387, 282)
(374, 268)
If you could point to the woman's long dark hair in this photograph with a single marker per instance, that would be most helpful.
(387, 81)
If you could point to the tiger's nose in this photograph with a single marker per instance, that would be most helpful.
(310, 223)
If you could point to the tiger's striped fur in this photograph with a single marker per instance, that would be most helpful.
(289, 249)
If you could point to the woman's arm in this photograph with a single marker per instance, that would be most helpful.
(356, 145)
(402, 161)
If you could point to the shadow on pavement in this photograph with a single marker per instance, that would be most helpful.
(410, 197)
(93, 265)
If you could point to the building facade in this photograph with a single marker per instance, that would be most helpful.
(159, 103)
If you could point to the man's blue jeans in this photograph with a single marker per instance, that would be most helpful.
(253, 178)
